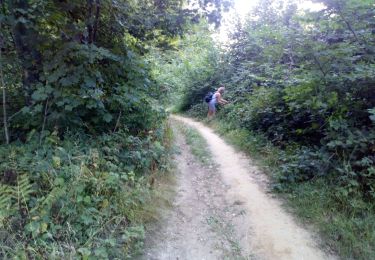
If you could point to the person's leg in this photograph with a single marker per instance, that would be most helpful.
(209, 114)
(211, 110)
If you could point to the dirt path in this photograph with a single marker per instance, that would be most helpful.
(226, 213)
(198, 225)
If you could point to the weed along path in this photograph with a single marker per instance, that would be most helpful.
(222, 210)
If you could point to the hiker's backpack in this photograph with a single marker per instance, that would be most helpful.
(208, 97)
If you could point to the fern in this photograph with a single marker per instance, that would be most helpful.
(23, 190)
(12, 198)
(5, 203)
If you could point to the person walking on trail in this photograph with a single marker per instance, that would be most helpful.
(217, 97)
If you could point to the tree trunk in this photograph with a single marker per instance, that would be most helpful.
(44, 122)
(3, 91)
(96, 22)
(89, 21)
(25, 39)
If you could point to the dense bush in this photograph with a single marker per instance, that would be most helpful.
(187, 72)
(77, 196)
(306, 80)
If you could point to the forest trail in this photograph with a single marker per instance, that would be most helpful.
(225, 212)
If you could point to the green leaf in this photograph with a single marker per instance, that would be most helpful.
(39, 95)
(372, 114)
(107, 117)
(85, 252)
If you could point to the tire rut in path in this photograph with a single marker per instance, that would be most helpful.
(265, 229)
(199, 224)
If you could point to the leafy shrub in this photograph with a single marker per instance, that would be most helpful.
(198, 110)
(78, 196)
(261, 111)
(304, 164)
(353, 150)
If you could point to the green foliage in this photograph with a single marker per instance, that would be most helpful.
(348, 227)
(81, 65)
(304, 80)
(85, 120)
(14, 197)
(77, 197)
(184, 73)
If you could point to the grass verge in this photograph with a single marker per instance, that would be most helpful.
(197, 143)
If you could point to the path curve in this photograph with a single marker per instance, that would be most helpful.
(266, 229)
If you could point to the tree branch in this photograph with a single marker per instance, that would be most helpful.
(319, 65)
(117, 122)
(44, 122)
(349, 26)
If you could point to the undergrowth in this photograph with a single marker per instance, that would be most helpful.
(79, 197)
